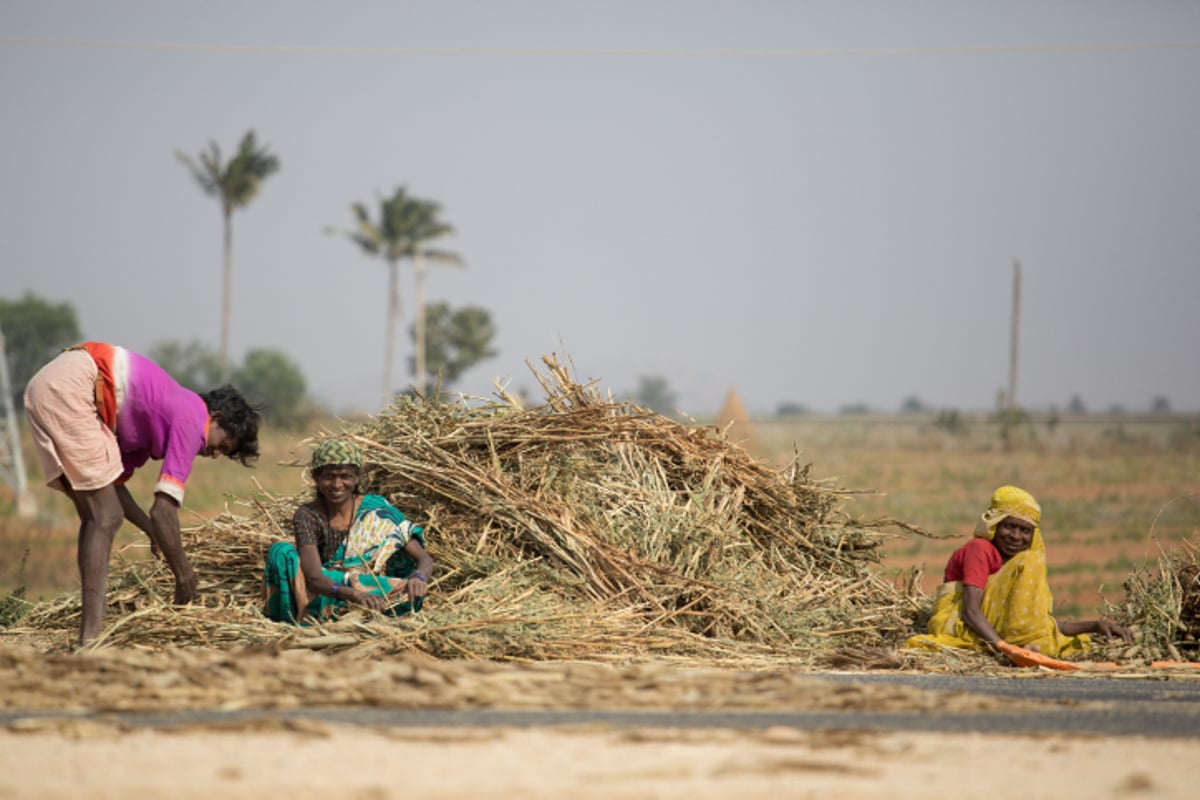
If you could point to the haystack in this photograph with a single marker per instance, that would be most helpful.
(581, 528)
(735, 423)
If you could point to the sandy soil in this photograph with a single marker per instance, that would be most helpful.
(94, 761)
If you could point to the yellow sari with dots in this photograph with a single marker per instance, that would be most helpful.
(1017, 599)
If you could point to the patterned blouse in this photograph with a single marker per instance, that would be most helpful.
(310, 526)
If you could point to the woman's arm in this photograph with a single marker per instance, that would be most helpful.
(1102, 627)
(972, 614)
(418, 581)
(319, 583)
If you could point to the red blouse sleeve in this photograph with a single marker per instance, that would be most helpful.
(980, 558)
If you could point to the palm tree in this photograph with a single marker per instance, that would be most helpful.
(235, 184)
(405, 226)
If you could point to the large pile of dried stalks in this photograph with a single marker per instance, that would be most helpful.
(1163, 603)
(582, 528)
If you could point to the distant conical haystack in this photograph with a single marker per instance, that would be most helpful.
(734, 420)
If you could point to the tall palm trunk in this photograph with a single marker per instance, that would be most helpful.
(226, 293)
(389, 349)
(419, 280)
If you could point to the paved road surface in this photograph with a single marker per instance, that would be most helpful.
(1167, 708)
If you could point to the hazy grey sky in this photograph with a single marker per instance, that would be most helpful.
(808, 202)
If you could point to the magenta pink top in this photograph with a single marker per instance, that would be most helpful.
(152, 416)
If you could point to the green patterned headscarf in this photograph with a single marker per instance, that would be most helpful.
(336, 452)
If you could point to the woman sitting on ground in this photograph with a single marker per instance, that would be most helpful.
(349, 548)
(995, 589)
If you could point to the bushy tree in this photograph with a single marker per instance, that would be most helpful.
(455, 341)
(791, 409)
(270, 378)
(35, 330)
(654, 392)
(951, 421)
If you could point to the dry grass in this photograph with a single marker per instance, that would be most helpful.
(588, 529)
(1163, 602)
(581, 528)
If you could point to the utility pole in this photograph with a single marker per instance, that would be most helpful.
(12, 462)
(1016, 317)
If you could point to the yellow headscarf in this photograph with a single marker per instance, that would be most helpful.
(1012, 501)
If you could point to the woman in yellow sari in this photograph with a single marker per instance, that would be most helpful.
(995, 589)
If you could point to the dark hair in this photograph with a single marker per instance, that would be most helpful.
(239, 419)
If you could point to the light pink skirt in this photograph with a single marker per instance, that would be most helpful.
(71, 441)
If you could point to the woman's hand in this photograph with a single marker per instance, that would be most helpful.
(1103, 627)
(417, 586)
(1112, 630)
(364, 599)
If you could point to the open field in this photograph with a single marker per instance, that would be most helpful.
(1116, 492)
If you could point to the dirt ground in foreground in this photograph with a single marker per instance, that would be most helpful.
(60, 754)
(582, 763)
(48, 750)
